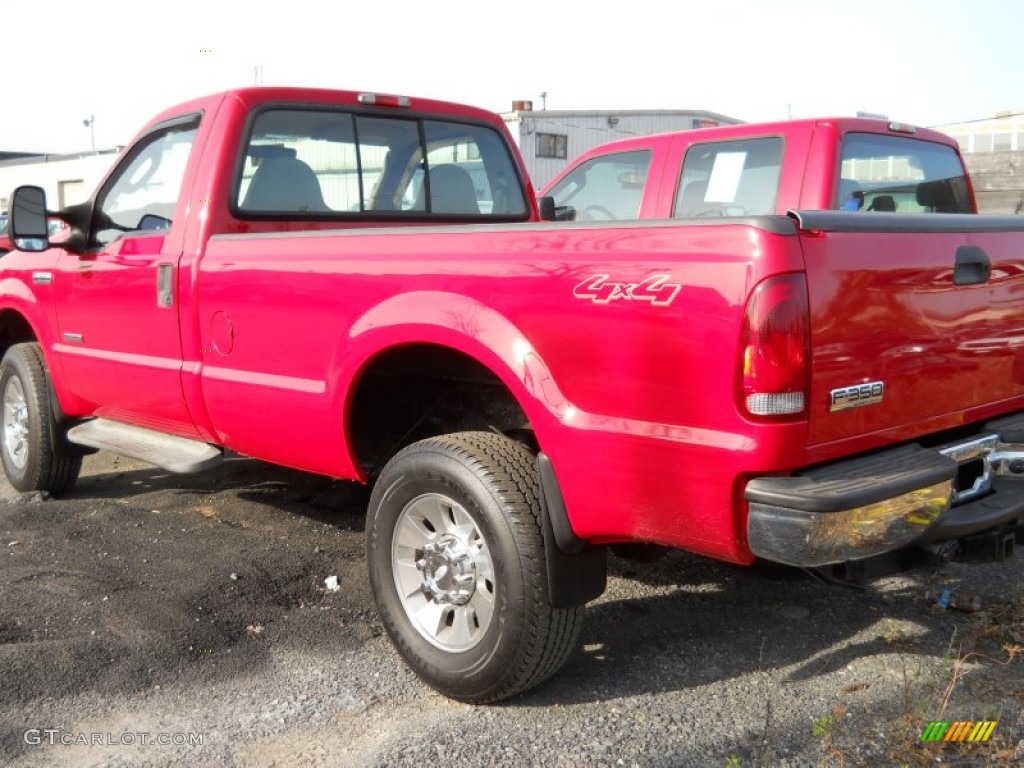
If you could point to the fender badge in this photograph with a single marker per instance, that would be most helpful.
(656, 289)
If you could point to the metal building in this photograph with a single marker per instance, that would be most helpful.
(67, 179)
(1002, 132)
(994, 152)
(549, 139)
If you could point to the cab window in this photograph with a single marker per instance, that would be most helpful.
(326, 163)
(729, 178)
(145, 190)
(900, 174)
(604, 188)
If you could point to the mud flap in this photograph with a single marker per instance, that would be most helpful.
(577, 572)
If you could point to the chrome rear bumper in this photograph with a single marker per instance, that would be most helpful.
(894, 498)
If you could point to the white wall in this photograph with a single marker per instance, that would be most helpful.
(66, 181)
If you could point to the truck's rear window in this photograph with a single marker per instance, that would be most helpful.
(323, 162)
(898, 173)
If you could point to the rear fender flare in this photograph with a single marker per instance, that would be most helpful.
(464, 325)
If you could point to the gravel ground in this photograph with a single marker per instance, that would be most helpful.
(153, 607)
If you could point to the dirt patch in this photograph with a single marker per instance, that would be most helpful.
(151, 604)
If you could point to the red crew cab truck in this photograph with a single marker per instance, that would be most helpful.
(360, 285)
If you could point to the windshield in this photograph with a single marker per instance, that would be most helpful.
(896, 173)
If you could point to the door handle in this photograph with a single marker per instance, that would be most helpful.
(972, 266)
(165, 285)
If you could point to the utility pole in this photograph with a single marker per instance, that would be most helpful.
(90, 123)
(544, 100)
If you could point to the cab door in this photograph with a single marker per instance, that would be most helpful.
(119, 342)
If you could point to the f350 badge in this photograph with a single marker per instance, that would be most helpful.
(656, 289)
(856, 396)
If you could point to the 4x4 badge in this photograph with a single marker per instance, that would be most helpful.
(656, 289)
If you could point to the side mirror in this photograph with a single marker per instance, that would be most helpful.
(565, 213)
(29, 230)
(151, 222)
(547, 208)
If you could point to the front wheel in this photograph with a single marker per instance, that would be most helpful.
(456, 559)
(29, 448)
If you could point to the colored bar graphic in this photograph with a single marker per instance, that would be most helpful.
(958, 730)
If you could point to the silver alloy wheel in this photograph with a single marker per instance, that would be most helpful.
(443, 572)
(16, 430)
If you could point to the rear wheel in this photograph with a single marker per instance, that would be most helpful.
(456, 559)
(30, 447)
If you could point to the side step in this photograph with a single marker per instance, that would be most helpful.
(175, 454)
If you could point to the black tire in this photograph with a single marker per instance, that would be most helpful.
(493, 484)
(30, 442)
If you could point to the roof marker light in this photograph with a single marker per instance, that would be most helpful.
(383, 100)
(902, 128)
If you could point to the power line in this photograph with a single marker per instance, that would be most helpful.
(1000, 116)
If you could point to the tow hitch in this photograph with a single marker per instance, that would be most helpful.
(992, 546)
(998, 545)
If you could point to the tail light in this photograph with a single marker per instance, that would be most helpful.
(775, 349)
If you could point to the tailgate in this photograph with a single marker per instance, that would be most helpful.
(913, 316)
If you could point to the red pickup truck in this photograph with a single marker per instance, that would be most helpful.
(845, 164)
(360, 285)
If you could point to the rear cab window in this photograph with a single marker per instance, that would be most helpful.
(900, 174)
(605, 188)
(729, 178)
(323, 163)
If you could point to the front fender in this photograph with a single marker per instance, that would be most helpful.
(20, 305)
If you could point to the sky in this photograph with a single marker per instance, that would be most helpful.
(926, 62)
